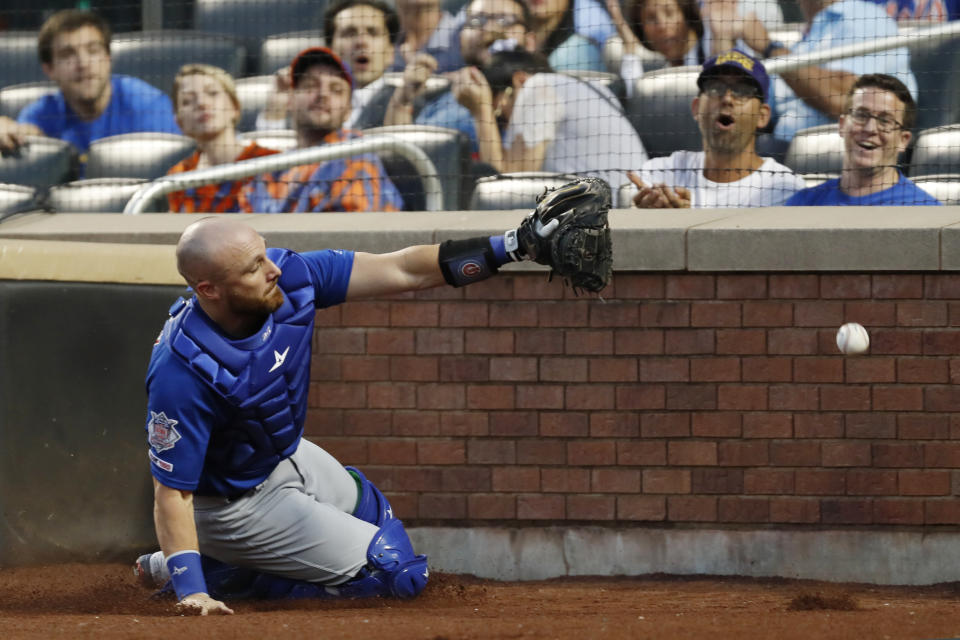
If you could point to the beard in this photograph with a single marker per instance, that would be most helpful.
(726, 142)
(257, 306)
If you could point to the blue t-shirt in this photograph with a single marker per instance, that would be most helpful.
(904, 193)
(185, 415)
(134, 106)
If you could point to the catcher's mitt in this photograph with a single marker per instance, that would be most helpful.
(569, 231)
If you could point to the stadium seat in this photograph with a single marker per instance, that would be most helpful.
(612, 81)
(945, 187)
(16, 198)
(938, 99)
(253, 93)
(156, 56)
(253, 20)
(279, 50)
(449, 150)
(41, 162)
(814, 179)
(18, 58)
(280, 139)
(936, 150)
(137, 155)
(16, 97)
(100, 195)
(660, 110)
(514, 190)
(816, 150)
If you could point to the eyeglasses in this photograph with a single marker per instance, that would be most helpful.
(742, 91)
(499, 20)
(885, 123)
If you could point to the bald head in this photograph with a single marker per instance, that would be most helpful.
(207, 246)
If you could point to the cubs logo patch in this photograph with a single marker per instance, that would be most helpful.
(471, 269)
(163, 464)
(161, 432)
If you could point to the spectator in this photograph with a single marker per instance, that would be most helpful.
(74, 48)
(875, 129)
(320, 101)
(672, 28)
(730, 109)
(485, 22)
(552, 122)
(362, 33)
(811, 96)
(207, 110)
(426, 28)
(724, 19)
(358, 31)
(571, 33)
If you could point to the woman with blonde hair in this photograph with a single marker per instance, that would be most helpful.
(207, 109)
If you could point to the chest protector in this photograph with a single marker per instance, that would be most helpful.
(265, 377)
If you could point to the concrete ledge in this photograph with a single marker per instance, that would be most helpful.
(895, 558)
(773, 239)
(822, 239)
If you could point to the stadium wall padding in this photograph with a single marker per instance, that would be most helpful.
(74, 480)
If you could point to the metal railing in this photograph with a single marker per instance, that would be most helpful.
(265, 164)
(913, 37)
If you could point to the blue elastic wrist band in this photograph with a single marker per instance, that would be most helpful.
(186, 573)
(499, 250)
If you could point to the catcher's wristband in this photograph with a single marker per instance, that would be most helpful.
(186, 573)
(464, 262)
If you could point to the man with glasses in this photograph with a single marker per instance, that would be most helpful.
(485, 22)
(875, 129)
(74, 48)
(731, 107)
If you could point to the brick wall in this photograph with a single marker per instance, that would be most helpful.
(715, 399)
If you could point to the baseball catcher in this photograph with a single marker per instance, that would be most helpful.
(244, 506)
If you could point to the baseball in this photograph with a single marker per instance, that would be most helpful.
(852, 338)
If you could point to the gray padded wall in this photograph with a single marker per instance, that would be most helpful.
(74, 478)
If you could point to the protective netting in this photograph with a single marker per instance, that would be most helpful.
(505, 98)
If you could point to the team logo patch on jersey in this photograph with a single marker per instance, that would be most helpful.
(162, 435)
(278, 359)
(163, 464)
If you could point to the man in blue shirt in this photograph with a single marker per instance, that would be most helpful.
(274, 514)
(74, 49)
(875, 129)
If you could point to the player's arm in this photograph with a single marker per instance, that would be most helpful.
(177, 534)
(408, 269)
(463, 262)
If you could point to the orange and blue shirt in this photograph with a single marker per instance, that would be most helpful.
(212, 198)
(356, 183)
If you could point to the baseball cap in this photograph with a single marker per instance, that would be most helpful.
(739, 62)
(317, 55)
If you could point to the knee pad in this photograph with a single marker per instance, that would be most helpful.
(393, 569)
(372, 505)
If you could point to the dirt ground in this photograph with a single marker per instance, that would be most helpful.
(104, 601)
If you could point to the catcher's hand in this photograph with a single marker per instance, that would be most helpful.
(569, 231)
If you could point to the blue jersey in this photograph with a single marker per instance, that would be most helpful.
(904, 193)
(134, 106)
(201, 436)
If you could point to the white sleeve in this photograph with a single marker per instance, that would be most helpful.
(536, 113)
(631, 68)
